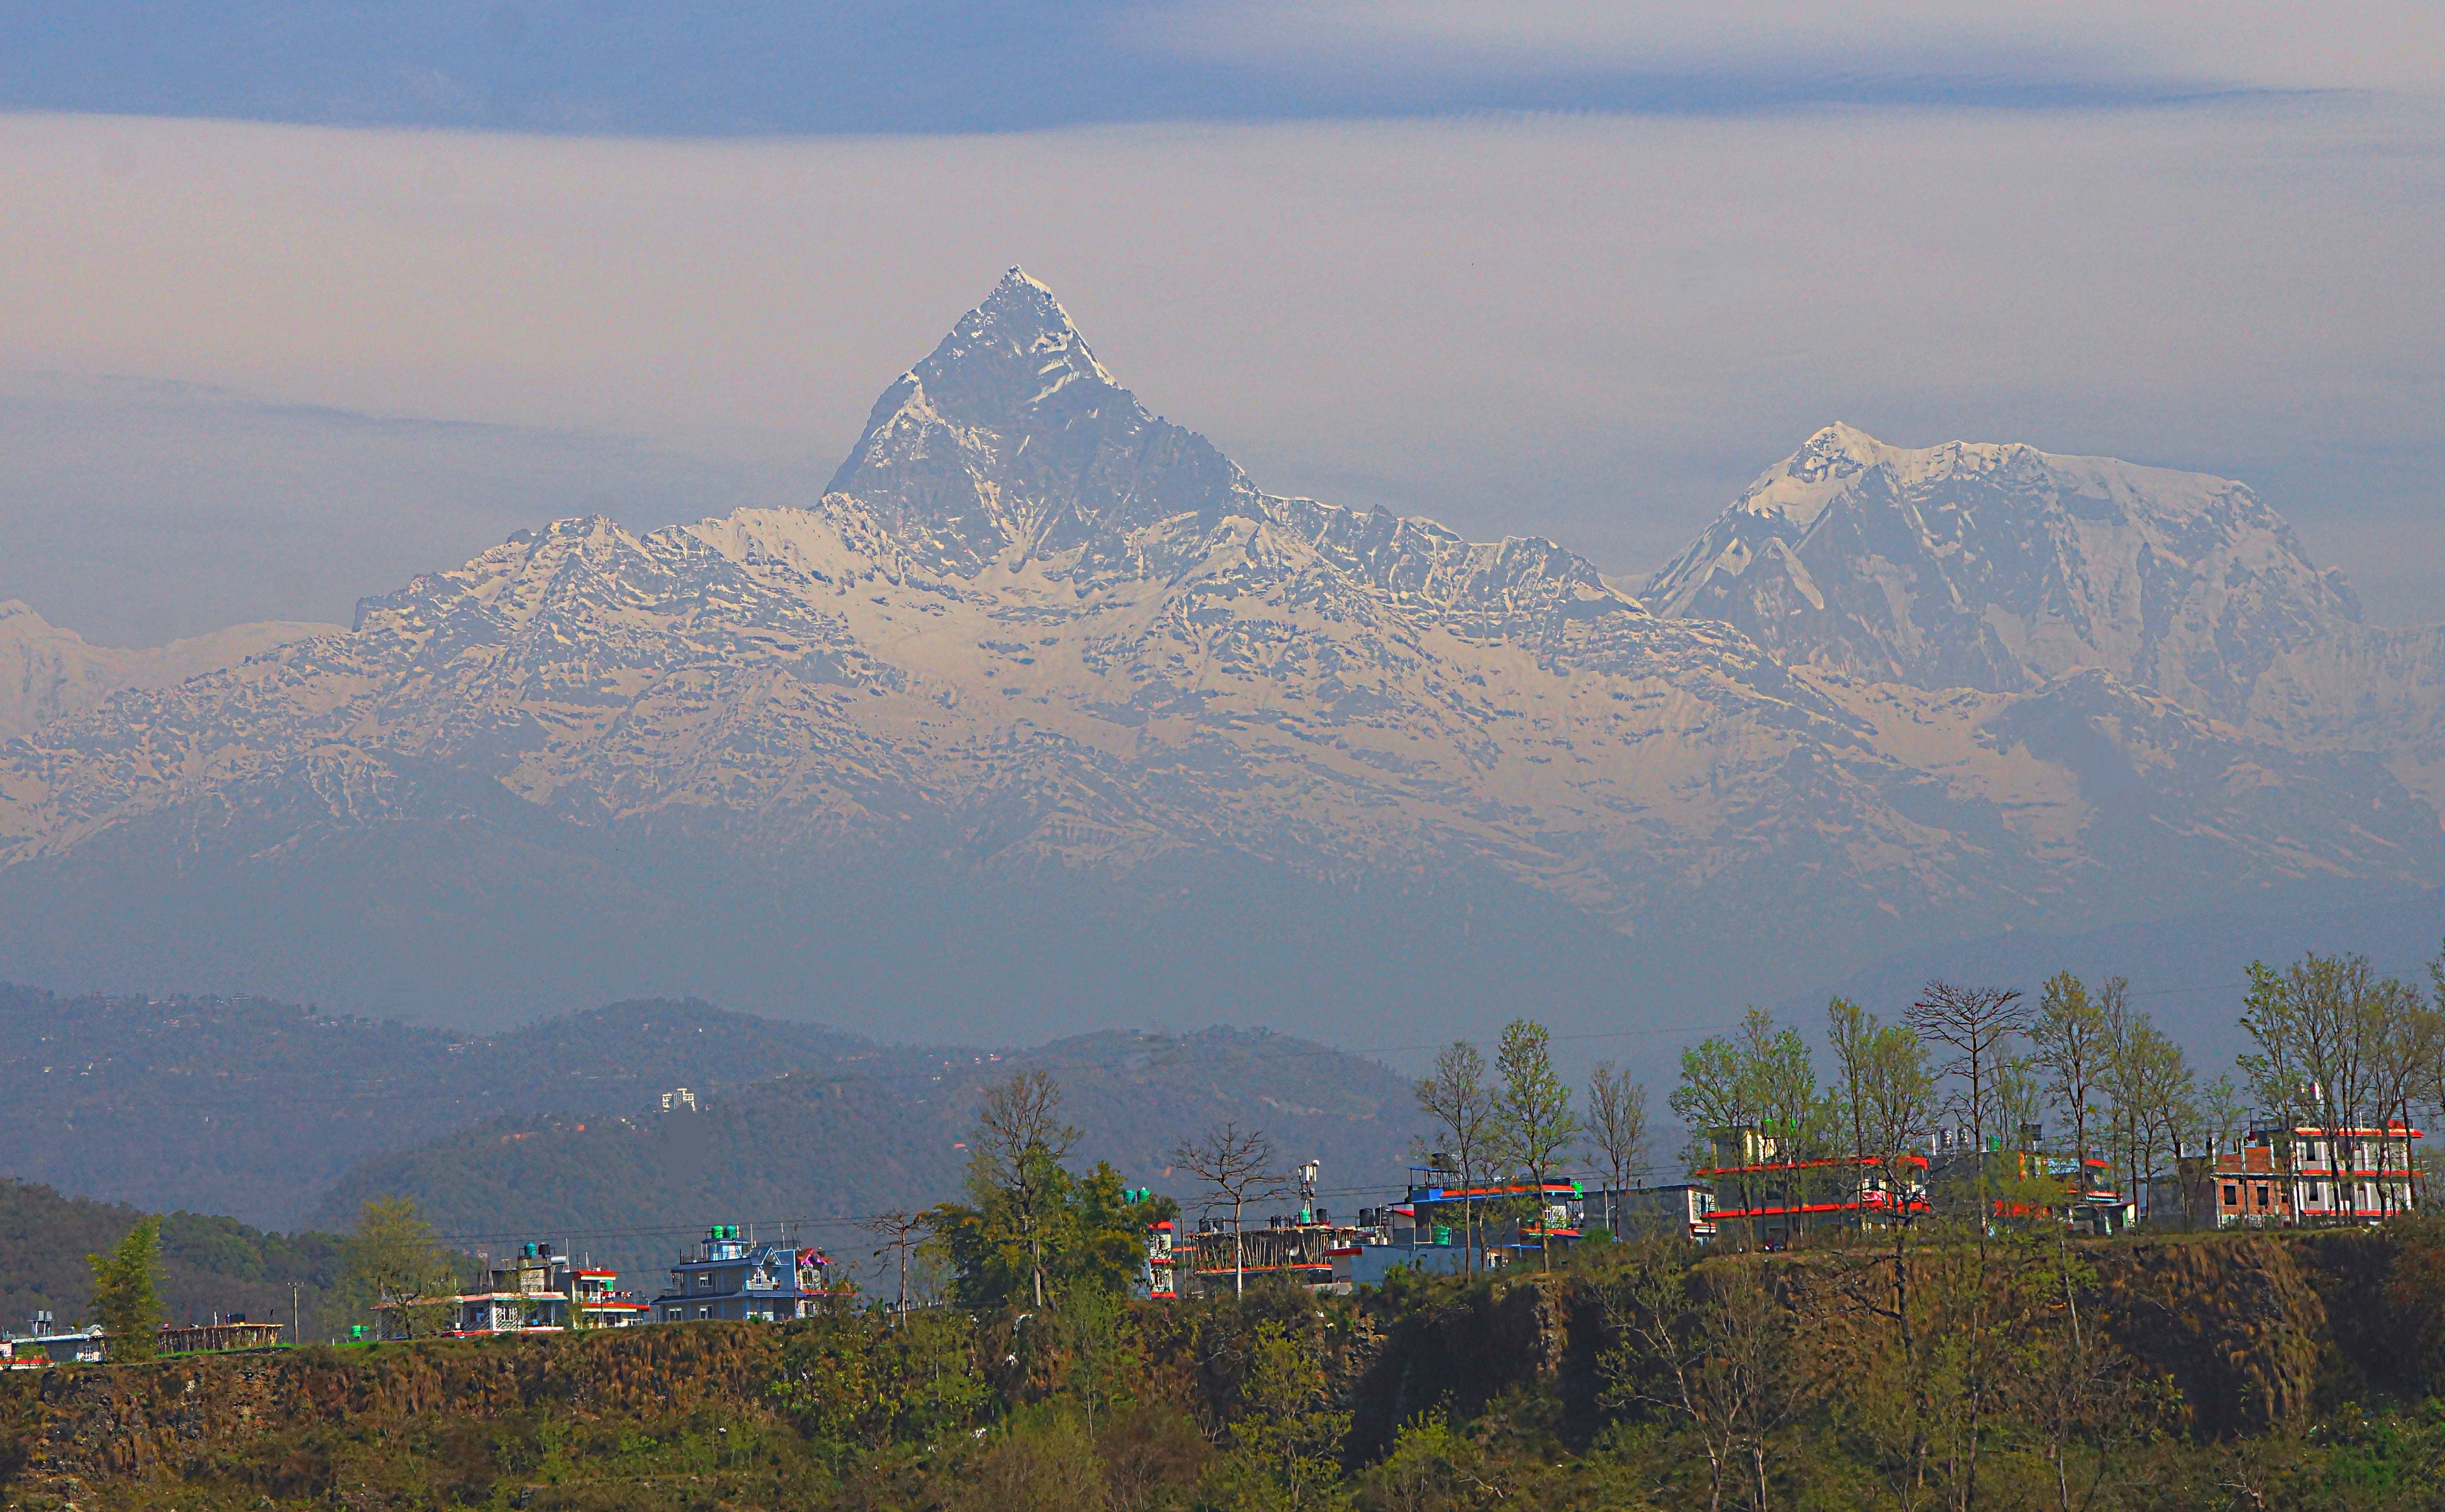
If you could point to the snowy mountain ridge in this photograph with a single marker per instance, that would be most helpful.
(1039, 663)
(1998, 567)
(2002, 567)
(47, 673)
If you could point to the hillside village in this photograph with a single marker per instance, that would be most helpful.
(2323, 1134)
(2019, 1228)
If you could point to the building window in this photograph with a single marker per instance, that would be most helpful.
(2232, 1195)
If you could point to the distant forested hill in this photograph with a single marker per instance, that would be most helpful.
(823, 1147)
(281, 1116)
(252, 1108)
(211, 1264)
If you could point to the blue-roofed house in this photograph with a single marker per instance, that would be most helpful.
(741, 1279)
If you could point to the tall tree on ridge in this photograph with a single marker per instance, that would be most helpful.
(1717, 1100)
(1616, 1129)
(1456, 1096)
(2069, 1039)
(1850, 1029)
(1532, 1115)
(1978, 1025)
(128, 1292)
(1018, 1145)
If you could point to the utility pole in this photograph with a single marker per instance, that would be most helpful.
(296, 1320)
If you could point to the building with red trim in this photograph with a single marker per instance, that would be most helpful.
(1779, 1200)
(537, 1291)
(2307, 1174)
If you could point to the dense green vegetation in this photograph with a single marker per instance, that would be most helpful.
(209, 1264)
(1637, 1374)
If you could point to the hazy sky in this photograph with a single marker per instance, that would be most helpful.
(304, 298)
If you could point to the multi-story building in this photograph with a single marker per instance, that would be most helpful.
(1163, 1259)
(1213, 1259)
(1506, 1218)
(1682, 1207)
(739, 1279)
(537, 1291)
(2308, 1174)
(1777, 1198)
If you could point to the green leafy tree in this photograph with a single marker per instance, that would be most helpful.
(1717, 1098)
(1753, 1101)
(855, 1381)
(396, 1264)
(1532, 1113)
(1791, 1116)
(128, 1292)
(2153, 1091)
(1031, 1228)
(1284, 1446)
(1848, 1030)
(1015, 1164)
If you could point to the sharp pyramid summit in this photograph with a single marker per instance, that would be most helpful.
(1010, 441)
(1044, 714)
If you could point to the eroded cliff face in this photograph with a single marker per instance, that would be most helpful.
(80, 1428)
(2238, 1326)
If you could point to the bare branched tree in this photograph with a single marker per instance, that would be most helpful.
(1977, 1025)
(1238, 1166)
(1713, 1348)
(1456, 1096)
(2070, 1036)
(899, 1230)
(1617, 1129)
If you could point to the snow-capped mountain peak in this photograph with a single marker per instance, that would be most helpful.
(1997, 565)
(1010, 441)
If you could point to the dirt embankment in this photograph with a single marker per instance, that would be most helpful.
(2260, 1328)
(2255, 1330)
(73, 1426)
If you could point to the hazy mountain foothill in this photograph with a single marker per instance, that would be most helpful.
(292, 1119)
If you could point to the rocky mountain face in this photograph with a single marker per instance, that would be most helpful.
(1046, 709)
(2001, 568)
(47, 673)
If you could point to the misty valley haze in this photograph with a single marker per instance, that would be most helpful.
(1045, 716)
